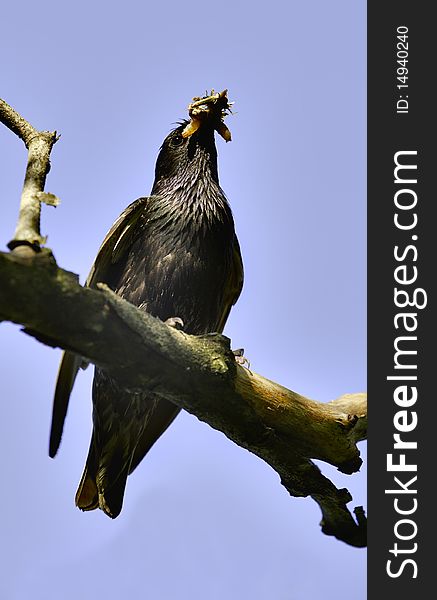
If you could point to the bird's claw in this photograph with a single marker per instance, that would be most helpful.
(175, 322)
(240, 358)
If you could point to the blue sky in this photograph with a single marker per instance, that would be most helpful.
(202, 517)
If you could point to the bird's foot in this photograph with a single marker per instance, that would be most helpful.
(240, 358)
(175, 322)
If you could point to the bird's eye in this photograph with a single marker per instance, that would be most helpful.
(176, 140)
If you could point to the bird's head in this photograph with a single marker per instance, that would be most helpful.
(189, 150)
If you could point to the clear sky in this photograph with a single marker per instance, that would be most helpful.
(202, 518)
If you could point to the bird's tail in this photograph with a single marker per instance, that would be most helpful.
(126, 425)
(104, 480)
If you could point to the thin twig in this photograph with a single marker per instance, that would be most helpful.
(39, 145)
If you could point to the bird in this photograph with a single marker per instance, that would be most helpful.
(173, 254)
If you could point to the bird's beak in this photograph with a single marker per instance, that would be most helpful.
(210, 109)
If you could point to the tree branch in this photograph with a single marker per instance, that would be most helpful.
(39, 145)
(199, 374)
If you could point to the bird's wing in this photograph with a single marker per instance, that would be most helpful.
(70, 364)
(162, 416)
(234, 285)
(111, 253)
(116, 243)
(238, 271)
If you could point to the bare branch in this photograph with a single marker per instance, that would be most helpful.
(39, 145)
(198, 374)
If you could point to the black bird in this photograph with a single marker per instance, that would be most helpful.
(175, 255)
